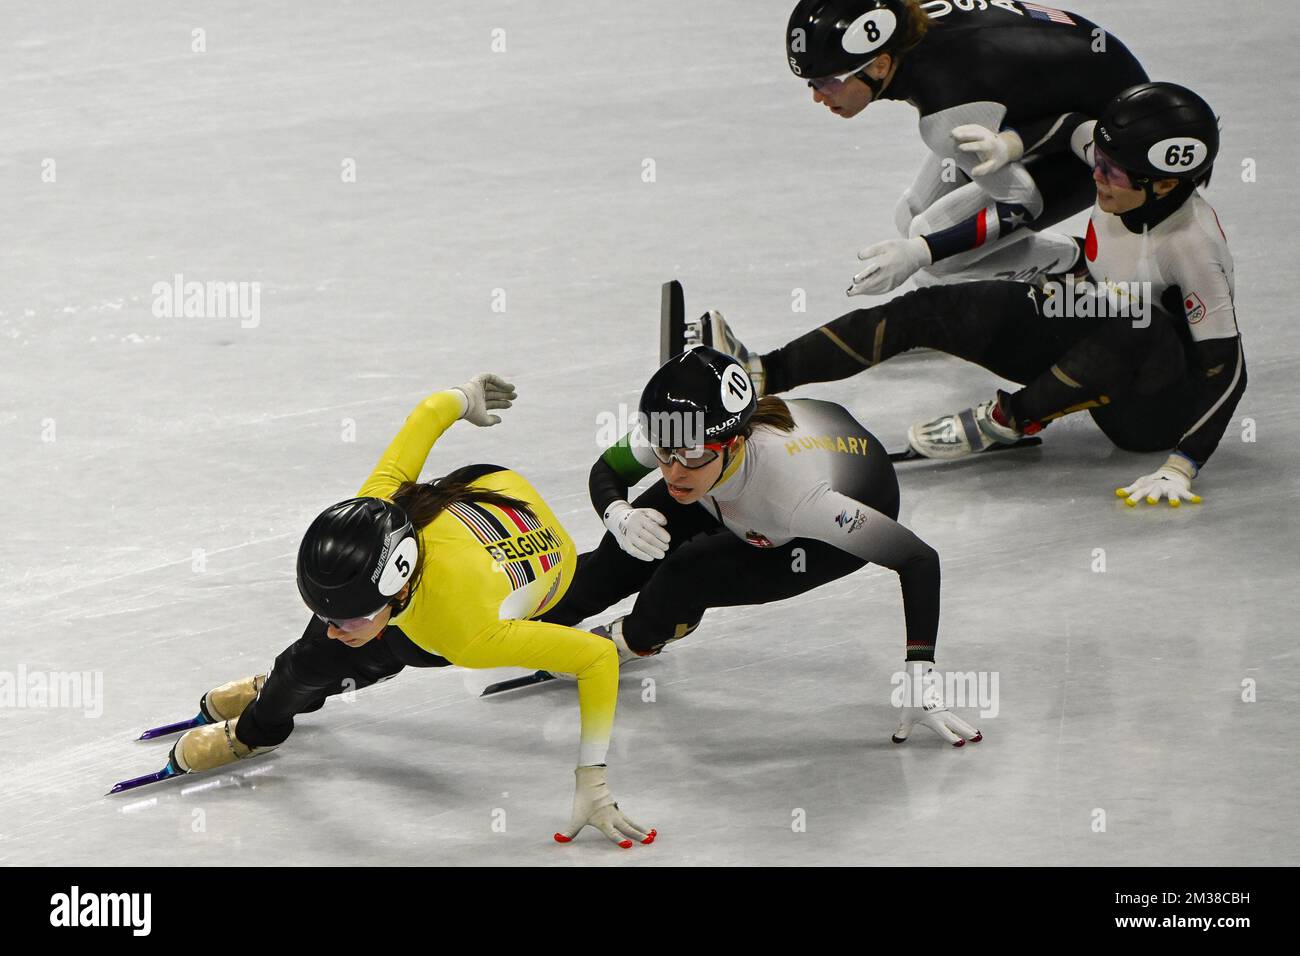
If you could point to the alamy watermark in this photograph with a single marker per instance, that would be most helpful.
(179, 299)
(130, 910)
(1087, 300)
(915, 688)
(73, 690)
(669, 429)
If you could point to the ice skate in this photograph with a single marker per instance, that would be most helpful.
(960, 434)
(711, 329)
(229, 700)
(211, 746)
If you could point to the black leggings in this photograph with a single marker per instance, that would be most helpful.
(315, 667)
(1134, 380)
(706, 566)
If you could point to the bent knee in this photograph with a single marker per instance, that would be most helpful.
(905, 213)
(602, 658)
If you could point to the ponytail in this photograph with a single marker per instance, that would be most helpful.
(423, 502)
(772, 412)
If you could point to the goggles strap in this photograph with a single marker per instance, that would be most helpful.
(875, 84)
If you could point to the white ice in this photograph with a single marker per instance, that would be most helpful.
(158, 472)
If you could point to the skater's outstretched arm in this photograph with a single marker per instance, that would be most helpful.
(594, 661)
(861, 530)
(1202, 293)
(405, 456)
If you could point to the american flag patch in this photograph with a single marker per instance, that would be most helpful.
(1047, 13)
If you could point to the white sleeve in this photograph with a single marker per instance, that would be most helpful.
(848, 524)
(926, 189)
(851, 526)
(1198, 261)
(1010, 184)
(1081, 140)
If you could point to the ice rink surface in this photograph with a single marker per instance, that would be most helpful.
(158, 472)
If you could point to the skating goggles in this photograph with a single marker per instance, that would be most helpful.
(1111, 171)
(352, 623)
(833, 84)
(692, 458)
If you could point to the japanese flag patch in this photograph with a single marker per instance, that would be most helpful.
(1194, 308)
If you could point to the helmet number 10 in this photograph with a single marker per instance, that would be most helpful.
(737, 389)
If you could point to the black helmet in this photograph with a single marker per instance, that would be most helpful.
(698, 397)
(355, 556)
(1159, 131)
(834, 37)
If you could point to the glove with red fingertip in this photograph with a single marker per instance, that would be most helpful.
(932, 713)
(593, 805)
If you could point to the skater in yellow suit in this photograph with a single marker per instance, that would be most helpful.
(451, 571)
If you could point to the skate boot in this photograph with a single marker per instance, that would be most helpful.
(613, 631)
(711, 329)
(229, 700)
(211, 746)
(965, 432)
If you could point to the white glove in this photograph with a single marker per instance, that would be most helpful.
(889, 264)
(933, 713)
(1172, 480)
(639, 531)
(994, 150)
(593, 805)
(484, 392)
